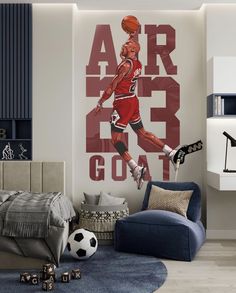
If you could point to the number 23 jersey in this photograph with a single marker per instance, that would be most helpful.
(126, 87)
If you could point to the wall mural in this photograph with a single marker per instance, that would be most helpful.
(126, 82)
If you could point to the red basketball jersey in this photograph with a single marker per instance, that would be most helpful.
(126, 87)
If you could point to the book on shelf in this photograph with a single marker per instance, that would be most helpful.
(218, 106)
(222, 106)
(215, 106)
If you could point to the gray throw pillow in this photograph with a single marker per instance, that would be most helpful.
(92, 199)
(108, 200)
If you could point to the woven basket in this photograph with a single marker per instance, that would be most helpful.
(101, 219)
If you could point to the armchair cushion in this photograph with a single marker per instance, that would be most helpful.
(159, 233)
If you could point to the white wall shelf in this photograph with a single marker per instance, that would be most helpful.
(221, 180)
(221, 75)
(221, 105)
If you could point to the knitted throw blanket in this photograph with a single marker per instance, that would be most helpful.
(28, 215)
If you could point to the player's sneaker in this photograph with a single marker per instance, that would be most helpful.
(180, 154)
(138, 175)
(182, 151)
(175, 155)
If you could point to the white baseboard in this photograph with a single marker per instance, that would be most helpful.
(221, 234)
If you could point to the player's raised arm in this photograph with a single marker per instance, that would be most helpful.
(122, 71)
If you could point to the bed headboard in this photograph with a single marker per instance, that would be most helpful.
(32, 176)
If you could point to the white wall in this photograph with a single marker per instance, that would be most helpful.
(62, 38)
(60, 42)
(188, 56)
(53, 85)
(220, 30)
(220, 41)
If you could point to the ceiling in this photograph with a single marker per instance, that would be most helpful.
(131, 4)
(145, 4)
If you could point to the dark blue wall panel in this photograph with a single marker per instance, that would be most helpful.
(15, 61)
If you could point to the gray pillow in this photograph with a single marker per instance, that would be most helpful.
(92, 199)
(5, 194)
(108, 200)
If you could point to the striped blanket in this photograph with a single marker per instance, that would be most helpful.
(29, 214)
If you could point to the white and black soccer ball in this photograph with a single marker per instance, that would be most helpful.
(82, 244)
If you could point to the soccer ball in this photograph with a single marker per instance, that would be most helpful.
(82, 244)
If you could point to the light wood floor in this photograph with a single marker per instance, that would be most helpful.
(212, 271)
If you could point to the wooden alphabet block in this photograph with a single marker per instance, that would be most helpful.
(34, 279)
(48, 285)
(65, 277)
(48, 276)
(24, 277)
(51, 277)
(76, 274)
(44, 276)
(48, 268)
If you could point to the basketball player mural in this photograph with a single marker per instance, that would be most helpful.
(126, 106)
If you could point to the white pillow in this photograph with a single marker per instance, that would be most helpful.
(5, 194)
(108, 200)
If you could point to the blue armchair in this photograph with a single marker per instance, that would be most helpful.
(160, 233)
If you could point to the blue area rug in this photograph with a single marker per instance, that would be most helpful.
(107, 271)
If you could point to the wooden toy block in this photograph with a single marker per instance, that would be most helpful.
(24, 277)
(34, 279)
(48, 268)
(65, 277)
(48, 285)
(51, 277)
(76, 274)
(44, 276)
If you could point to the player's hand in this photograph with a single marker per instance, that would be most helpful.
(134, 35)
(131, 36)
(98, 109)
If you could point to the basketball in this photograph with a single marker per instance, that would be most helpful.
(130, 24)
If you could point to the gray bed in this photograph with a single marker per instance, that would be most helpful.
(36, 177)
